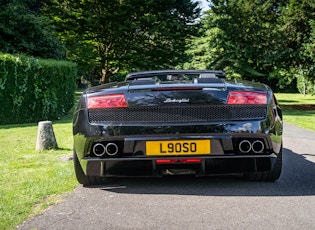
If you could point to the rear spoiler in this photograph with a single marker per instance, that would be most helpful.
(154, 73)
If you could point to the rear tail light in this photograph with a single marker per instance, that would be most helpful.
(241, 97)
(107, 101)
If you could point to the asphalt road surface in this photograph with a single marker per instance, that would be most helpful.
(197, 203)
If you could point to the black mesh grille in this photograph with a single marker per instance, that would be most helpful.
(178, 114)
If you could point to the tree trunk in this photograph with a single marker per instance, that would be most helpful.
(106, 73)
(45, 136)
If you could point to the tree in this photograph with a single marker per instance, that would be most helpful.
(126, 35)
(244, 39)
(270, 41)
(298, 26)
(23, 30)
(205, 48)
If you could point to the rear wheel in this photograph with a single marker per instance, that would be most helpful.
(271, 175)
(81, 177)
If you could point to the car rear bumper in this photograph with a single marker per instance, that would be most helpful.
(159, 166)
(132, 157)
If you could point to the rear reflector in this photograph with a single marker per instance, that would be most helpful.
(241, 97)
(172, 161)
(107, 101)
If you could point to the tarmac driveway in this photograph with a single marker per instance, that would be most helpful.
(197, 203)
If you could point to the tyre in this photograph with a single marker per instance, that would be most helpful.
(271, 175)
(81, 177)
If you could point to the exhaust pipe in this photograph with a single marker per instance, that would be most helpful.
(245, 146)
(99, 149)
(258, 146)
(111, 149)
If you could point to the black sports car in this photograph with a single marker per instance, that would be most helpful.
(169, 122)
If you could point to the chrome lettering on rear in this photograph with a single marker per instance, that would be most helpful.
(183, 100)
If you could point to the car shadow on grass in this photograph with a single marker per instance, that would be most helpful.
(297, 179)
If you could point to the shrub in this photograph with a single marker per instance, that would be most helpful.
(35, 89)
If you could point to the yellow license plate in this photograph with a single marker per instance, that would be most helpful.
(178, 147)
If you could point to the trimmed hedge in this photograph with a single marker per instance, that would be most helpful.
(34, 89)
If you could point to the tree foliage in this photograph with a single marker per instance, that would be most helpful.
(126, 35)
(23, 30)
(270, 41)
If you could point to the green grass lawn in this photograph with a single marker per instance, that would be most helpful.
(31, 181)
(298, 109)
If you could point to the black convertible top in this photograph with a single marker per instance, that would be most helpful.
(153, 73)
